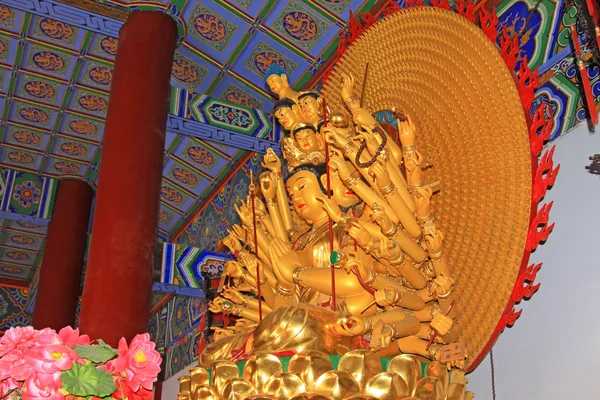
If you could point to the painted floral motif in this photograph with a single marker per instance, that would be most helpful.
(101, 75)
(241, 98)
(200, 155)
(20, 157)
(210, 27)
(2, 47)
(264, 59)
(56, 29)
(184, 70)
(185, 176)
(11, 269)
(93, 102)
(29, 225)
(33, 114)
(171, 194)
(27, 194)
(230, 116)
(48, 61)
(41, 90)
(26, 137)
(162, 215)
(73, 148)
(17, 255)
(109, 45)
(22, 239)
(5, 13)
(3, 302)
(83, 127)
(300, 26)
(66, 167)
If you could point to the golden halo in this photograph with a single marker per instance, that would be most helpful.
(445, 73)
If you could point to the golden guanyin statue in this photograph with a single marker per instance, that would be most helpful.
(354, 241)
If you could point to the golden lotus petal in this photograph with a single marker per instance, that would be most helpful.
(409, 368)
(284, 385)
(309, 366)
(184, 396)
(438, 370)
(456, 391)
(429, 388)
(260, 368)
(311, 396)
(199, 377)
(237, 389)
(205, 392)
(260, 397)
(185, 384)
(360, 397)
(361, 364)
(222, 372)
(387, 386)
(337, 384)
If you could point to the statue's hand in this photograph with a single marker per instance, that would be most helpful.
(434, 242)
(284, 261)
(423, 201)
(220, 305)
(362, 116)
(337, 163)
(386, 297)
(331, 207)
(353, 326)
(271, 161)
(390, 250)
(233, 295)
(407, 132)
(381, 218)
(381, 336)
(233, 269)
(441, 324)
(268, 186)
(380, 174)
(359, 233)
(244, 213)
(367, 135)
(220, 333)
(334, 138)
(259, 206)
(232, 243)
(347, 86)
(352, 261)
(442, 285)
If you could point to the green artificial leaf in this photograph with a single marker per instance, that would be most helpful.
(97, 353)
(86, 380)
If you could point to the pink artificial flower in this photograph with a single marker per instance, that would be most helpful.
(21, 370)
(43, 387)
(70, 337)
(19, 337)
(7, 361)
(9, 384)
(139, 364)
(51, 358)
(48, 336)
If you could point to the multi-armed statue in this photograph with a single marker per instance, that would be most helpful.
(338, 247)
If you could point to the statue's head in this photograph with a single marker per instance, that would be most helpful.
(286, 112)
(306, 138)
(276, 79)
(304, 187)
(311, 106)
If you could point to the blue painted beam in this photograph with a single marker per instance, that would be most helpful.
(177, 290)
(68, 14)
(555, 59)
(24, 218)
(224, 136)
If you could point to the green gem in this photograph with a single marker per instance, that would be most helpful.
(334, 258)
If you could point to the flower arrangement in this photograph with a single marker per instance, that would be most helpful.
(43, 364)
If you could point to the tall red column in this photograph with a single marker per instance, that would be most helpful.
(60, 273)
(118, 280)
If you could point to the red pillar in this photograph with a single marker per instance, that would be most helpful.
(60, 274)
(118, 281)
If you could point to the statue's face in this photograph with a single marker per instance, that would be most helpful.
(310, 108)
(304, 190)
(276, 83)
(343, 195)
(287, 117)
(307, 141)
